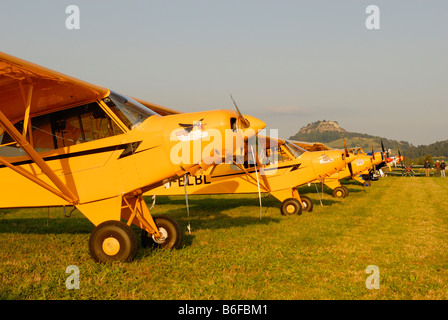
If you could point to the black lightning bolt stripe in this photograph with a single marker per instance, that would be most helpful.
(128, 149)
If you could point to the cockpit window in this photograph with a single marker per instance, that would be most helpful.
(130, 112)
(294, 149)
(63, 128)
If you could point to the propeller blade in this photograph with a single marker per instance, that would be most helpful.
(373, 153)
(258, 181)
(345, 147)
(243, 122)
(350, 169)
(400, 158)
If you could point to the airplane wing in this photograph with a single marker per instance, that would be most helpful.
(26, 90)
(163, 111)
(312, 146)
(25, 85)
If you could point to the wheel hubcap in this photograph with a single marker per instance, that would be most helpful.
(111, 246)
(163, 236)
(290, 208)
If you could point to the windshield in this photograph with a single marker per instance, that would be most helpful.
(131, 112)
(294, 149)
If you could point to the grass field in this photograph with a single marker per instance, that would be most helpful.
(399, 225)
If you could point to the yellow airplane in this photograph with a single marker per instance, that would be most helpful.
(364, 165)
(359, 169)
(277, 168)
(65, 142)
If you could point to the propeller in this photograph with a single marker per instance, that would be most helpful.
(243, 123)
(345, 147)
(387, 155)
(400, 158)
(258, 181)
(347, 154)
(349, 165)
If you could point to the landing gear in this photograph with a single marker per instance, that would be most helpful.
(338, 192)
(170, 231)
(345, 190)
(113, 241)
(307, 204)
(291, 206)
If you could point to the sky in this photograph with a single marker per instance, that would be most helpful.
(288, 63)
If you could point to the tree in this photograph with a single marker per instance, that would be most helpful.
(429, 158)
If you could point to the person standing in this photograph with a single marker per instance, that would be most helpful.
(442, 169)
(427, 166)
(437, 166)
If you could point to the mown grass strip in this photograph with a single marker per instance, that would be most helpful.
(398, 224)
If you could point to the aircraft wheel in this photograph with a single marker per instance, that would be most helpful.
(291, 206)
(171, 234)
(345, 190)
(367, 184)
(338, 192)
(307, 204)
(113, 241)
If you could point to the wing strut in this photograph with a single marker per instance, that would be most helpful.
(65, 192)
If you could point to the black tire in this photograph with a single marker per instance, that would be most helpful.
(338, 192)
(345, 190)
(307, 204)
(170, 228)
(290, 207)
(113, 241)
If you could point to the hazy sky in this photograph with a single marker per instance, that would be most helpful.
(287, 62)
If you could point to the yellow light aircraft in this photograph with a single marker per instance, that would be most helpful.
(279, 167)
(358, 169)
(65, 142)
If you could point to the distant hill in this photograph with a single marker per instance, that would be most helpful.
(331, 133)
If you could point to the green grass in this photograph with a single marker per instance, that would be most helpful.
(398, 224)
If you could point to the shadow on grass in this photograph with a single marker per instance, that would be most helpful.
(204, 214)
(40, 226)
(328, 192)
(220, 213)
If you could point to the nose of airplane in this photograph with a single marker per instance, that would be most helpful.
(340, 160)
(327, 163)
(349, 157)
(255, 123)
(378, 157)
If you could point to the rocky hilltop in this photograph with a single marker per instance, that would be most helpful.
(331, 134)
(320, 131)
(322, 126)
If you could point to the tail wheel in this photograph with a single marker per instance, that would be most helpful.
(171, 234)
(338, 192)
(307, 204)
(291, 206)
(113, 241)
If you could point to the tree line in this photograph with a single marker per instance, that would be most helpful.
(416, 154)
